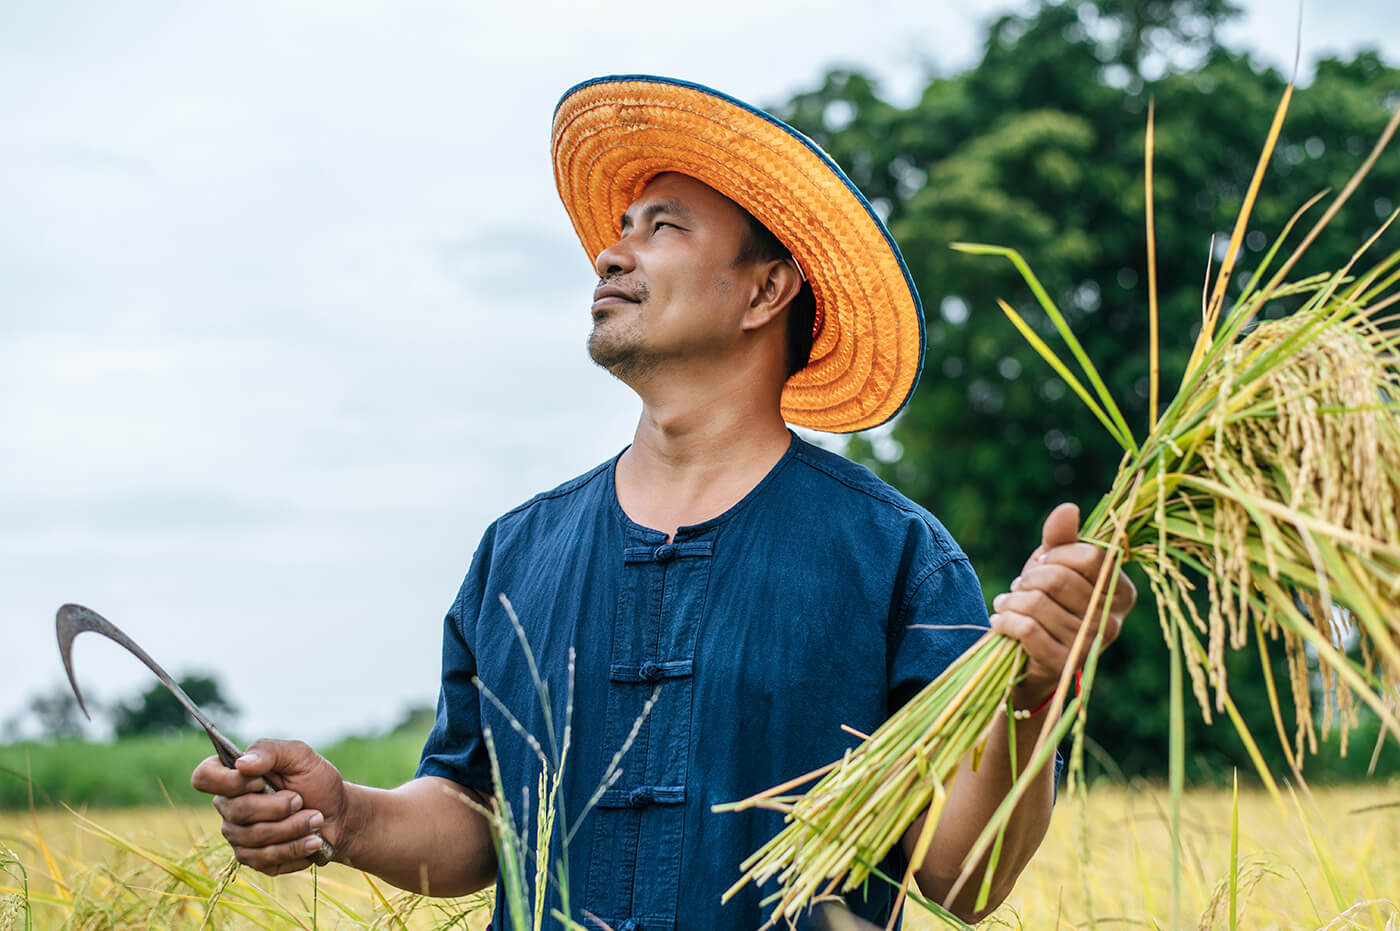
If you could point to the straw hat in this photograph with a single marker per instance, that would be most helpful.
(612, 135)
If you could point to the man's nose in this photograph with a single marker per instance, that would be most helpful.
(615, 260)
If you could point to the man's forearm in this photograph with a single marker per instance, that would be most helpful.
(421, 837)
(973, 798)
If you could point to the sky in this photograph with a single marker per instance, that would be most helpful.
(289, 309)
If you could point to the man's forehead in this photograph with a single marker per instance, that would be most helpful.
(678, 190)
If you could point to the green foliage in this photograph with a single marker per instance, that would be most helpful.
(1040, 147)
(417, 719)
(57, 713)
(140, 770)
(156, 710)
(1136, 28)
(389, 760)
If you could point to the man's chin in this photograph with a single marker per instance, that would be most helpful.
(604, 355)
(625, 362)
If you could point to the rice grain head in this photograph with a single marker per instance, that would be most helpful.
(1317, 433)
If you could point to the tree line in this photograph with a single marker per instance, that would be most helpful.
(53, 714)
(1039, 146)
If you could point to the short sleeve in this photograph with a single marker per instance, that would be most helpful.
(455, 748)
(943, 615)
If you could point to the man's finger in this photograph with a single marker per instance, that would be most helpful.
(251, 809)
(1046, 654)
(1060, 624)
(1061, 526)
(269, 833)
(1124, 595)
(285, 757)
(214, 778)
(280, 858)
(1085, 558)
(1070, 589)
(291, 866)
(1113, 626)
(1032, 559)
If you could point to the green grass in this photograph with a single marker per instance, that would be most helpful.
(131, 772)
(140, 771)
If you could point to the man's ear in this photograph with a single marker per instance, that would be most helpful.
(777, 283)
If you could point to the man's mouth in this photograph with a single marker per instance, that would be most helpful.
(607, 295)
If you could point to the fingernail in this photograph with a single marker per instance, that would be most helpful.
(998, 601)
(312, 844)
(296, 803)
(250, 757)
(1041, 557)
(317, 820)
(1016, 583)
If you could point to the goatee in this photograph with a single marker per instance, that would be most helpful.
(622, 351)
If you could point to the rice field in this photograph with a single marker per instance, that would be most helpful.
(1331, 861)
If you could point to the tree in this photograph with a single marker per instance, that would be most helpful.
(1136, 28)
(1040, 147)
(156, 711)
(57, 714)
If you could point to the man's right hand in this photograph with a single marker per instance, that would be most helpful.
(278, 832)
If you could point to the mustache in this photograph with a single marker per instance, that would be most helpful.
(635, 290)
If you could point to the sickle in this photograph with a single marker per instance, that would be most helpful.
(74, 619)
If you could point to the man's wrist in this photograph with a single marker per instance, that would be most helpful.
(1032, 699)
(1023, 710)
(1028, 695)
(358, 812)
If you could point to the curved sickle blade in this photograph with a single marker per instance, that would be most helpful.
(74, 619)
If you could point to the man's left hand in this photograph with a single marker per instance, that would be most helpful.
(1050, 600)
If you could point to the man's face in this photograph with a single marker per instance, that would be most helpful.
(669, 289)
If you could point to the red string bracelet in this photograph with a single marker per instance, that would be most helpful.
(1021, 715)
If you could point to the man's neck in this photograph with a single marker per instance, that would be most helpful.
(692, 460)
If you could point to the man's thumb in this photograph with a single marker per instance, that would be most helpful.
(1061, 527)
(280, 756)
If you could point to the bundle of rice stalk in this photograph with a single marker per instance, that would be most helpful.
(1274, 475)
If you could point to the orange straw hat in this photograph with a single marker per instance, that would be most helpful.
(612, 135)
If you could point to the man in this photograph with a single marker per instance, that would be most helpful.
(764, 591)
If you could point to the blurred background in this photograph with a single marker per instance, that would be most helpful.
(289, 310)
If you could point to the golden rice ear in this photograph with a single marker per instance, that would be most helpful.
(1274, 475)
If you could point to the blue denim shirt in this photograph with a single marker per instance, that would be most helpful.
(822, 598)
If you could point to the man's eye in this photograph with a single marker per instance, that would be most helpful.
(661, 223)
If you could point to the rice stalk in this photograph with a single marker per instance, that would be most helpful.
(226, 876)
(1273, 475)
(525, 888)
(1347, 919)
(15, 904)
(1241, 883)
(1233, 899)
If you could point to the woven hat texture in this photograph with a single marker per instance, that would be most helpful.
(612, 135)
